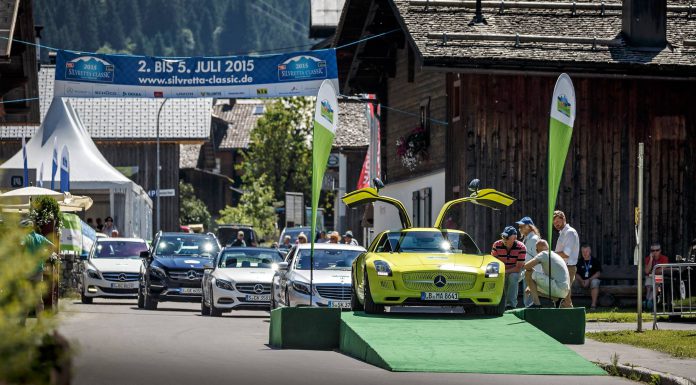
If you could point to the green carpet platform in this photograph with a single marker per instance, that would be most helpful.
(567, 326)
(444, 343)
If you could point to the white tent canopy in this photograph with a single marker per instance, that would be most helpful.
(90, 172)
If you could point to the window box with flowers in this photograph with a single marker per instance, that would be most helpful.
(413, 148)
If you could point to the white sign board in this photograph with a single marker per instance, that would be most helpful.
(170, 192)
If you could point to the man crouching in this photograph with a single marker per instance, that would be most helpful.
(554, 274)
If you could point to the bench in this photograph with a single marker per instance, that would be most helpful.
(618, 285)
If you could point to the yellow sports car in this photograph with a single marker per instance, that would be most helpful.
(432, 266)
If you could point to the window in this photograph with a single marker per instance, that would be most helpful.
(422, 207)
(456, 100)
(259, 110)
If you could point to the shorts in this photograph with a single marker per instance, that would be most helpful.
(558, 289)
(594, 283)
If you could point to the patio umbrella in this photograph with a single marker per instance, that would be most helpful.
(24, 195)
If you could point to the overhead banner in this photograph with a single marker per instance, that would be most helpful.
(91, 75)
(560, 133)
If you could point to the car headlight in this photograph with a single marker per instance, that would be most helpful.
(383, 269)
(158, 272)
(93, 274)
(301, 287)
(493, 270)
(225, 285)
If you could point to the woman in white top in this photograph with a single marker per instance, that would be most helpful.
(530, 236)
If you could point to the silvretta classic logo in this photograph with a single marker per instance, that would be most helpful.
(301, 68)
(563, 105)
(326, 111)
(89, 68)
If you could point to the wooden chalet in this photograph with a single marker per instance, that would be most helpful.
(18, 65)
(488, 78)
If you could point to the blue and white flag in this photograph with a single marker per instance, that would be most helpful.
(54, 166)
(39, 180)
(64, 170)
(24, 156)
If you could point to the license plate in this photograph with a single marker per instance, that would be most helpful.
(191, 290)
(124, 285)
(258, 298)
(438, 296)
(340, 304)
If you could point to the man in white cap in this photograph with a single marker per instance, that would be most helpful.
(239, 242)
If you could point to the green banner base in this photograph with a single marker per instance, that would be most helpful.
(566, 326)
(305, 328)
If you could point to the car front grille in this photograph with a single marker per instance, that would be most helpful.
(248, 288)
(338, 292)
(183, 275)
(110, 290)
(116, 276)
(425, 281)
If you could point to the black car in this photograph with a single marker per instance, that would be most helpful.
(228, 233)
(173, 268)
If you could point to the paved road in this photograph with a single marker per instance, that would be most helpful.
(120, 344)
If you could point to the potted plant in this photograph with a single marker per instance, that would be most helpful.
(45, 213)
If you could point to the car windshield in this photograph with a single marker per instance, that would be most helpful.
(427, 242)
(326, 259)
(251, 259)
(203, 246)
(119, 249)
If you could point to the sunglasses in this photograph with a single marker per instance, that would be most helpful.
(654, 249)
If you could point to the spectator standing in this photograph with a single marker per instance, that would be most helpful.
(239, 242)
(99, 225)
(90, 223)
(334, 237)
(568, 248)
(553, 280)
(654, 258)
(530, 237)
(302, 238)
(587, 273)
(109, 227)
(322, 238)
(38, 247)
(512, 253)
(348, 239)
(287, 244)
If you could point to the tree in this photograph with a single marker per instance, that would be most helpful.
(279, 147)
(255, 208)
(192, 209)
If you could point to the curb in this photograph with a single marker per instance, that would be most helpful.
(645, 374)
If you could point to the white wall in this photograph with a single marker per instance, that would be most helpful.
(386, 216)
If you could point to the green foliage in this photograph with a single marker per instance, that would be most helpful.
(191, 209)
(255, 207)
(174, 27)
(21, 349)
(279, 147)
(45, 210)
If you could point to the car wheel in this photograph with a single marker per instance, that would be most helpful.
(214, 312)
(274, 305)
(497, 310)
(205, 309)
(141, 299)
(370, 306)
(149, 302)
(355, 304)
(85, 299)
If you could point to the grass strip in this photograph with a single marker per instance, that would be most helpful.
(677, 343)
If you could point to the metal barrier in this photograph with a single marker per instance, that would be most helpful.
(674, 288)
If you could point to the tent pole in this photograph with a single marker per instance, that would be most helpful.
(157, 187)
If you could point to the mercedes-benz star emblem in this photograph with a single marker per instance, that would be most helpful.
(440, 281)
(121, 277)
(258, 288)
(191, 274)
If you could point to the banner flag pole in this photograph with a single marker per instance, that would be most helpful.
(325, 123)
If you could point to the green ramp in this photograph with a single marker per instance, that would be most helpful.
(443, 343)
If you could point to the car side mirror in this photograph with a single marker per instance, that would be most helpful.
(282, 266)
(208, 266)
(145, 254)
(84, 257)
